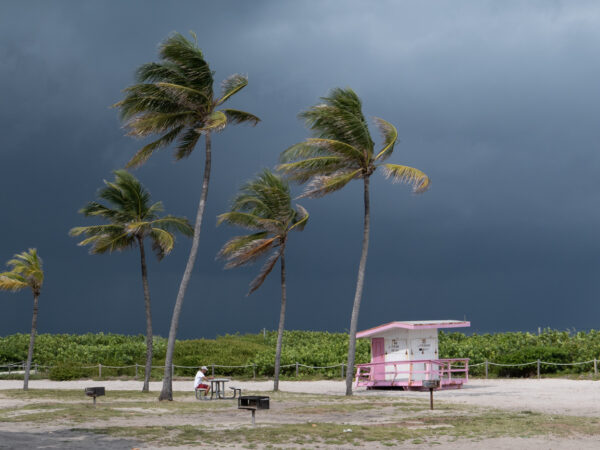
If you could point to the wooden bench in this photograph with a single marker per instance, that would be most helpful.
(237, 392)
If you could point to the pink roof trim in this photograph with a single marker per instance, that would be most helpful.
(416, 325)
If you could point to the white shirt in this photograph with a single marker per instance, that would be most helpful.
(200, 379)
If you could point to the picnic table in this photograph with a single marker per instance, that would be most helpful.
(217, 387)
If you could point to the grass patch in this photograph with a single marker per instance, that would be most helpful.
(294, 420)
(423, 429)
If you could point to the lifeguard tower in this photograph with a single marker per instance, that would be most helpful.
(403, 354)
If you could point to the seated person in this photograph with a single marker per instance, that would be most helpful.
(200, 380)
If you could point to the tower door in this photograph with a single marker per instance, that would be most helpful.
(378, 356)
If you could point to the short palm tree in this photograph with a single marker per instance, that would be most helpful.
(26, 272)
(264, 206)
(342, 150)
(174, 99)
(131, 219)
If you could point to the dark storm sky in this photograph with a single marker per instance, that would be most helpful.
(498, 102)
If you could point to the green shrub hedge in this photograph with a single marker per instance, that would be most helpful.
(67, 353)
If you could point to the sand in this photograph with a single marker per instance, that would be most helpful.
(550, 396)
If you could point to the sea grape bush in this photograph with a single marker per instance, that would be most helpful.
(519, 347)
(67, 353)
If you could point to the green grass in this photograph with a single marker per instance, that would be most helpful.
(301, 419)
(418, 430)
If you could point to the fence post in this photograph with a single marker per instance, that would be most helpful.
(595, 367)
(213, 370)
(296, 369)
(136, 371)
(538, 369)
(486, 369)
(342, 370)
(254, 370)
(99, 370)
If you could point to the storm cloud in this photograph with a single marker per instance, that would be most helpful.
(498, 102)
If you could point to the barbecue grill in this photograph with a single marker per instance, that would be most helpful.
(95, 392)
(431, 385)
(253, 402)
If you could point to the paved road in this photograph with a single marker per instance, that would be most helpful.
(63, 439)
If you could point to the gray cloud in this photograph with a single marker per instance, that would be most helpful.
(496, 101)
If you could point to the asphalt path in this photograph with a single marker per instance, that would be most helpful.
(63, 439)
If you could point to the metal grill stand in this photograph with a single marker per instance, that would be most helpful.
(252, 403)
(431, 385)
(95, 392)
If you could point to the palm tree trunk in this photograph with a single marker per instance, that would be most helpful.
(358, 293)
(31, 340)
(281, 320)
(167, 388)
(147, 372)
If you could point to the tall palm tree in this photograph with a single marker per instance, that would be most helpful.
(264, 206)
(26, 271)
(131, 219)
(174, 99)
(340, 151)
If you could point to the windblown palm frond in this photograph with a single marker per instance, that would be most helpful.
(263, 205)
(12, 282)
(321, 185)
(25, 271)
(131, 217)
(174, 99)
(342, 149)
(408, 175)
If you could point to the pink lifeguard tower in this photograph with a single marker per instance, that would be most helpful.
(404, 354)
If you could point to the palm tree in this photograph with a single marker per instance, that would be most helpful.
(340, 151)
(174, 99)
(264, 206)
(26, 271)
(131, 219)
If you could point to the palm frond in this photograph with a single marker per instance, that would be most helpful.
(186, 144)
(250, 252)
(186, 96)
(110, 242)
(300, 219)
(131, 216)
(408, 175)
(24, 267)
(156, 123)
(162, 242)
(174, 224)
(231, 85)
(234, 244)
(12, 282)
(325, 184)
(146, 151)
(188, 57)
(236, 116)
(145, 98)
(390, 136)
(215, 122)
(264, 272)
(95, 230)
(249, 221)
(340, 118)
(304, 170)
(165, 71)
